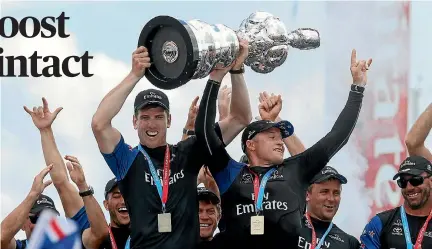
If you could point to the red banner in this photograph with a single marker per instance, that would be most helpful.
(384, 115)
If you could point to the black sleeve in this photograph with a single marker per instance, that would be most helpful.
(353, 243)
(316, 157)
(206, 135)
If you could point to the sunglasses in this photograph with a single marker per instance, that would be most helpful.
(34, 219)
(414, 181)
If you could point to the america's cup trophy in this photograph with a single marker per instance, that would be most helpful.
(181, 51)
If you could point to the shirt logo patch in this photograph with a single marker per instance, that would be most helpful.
(246, 178)
(397, 231)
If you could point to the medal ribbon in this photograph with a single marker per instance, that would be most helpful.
(162, 190)
(407, 231)
(259, 188)
(113, 243)
(314, 239)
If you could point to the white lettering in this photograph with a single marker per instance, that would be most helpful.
(387, 101)
(265, 197)
(267, 205)
(389, 145)
(173, 179)
(302, 243)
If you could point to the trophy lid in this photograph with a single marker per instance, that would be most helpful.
(173, 51)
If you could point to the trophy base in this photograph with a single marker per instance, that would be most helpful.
(173, 51)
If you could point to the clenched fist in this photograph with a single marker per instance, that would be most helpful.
(140, 61)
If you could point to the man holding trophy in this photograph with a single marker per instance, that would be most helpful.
(157, 179)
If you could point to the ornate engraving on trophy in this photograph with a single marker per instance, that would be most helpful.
(185, 50)
(170, 51)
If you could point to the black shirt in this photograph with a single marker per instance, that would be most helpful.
(335, 239)
(385, 231)
(285, 193)
(120, 235)
(142, 199)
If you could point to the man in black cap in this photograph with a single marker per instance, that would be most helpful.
(409, 225)
(119, 226)
(263, 202)
(27, 213)
(323, 198)
(209, 213)
(144, 172)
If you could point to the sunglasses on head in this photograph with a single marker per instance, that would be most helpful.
(414, 181)
(34, 218)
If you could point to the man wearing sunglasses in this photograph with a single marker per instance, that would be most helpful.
(27, 213)
(407, 226)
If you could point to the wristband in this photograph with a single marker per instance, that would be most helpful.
(188, 132)
(357, 88)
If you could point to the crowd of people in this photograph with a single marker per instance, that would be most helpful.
(171, 196)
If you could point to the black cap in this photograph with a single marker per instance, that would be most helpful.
(326, 173)
(207, 195)
(42, 203)
(151, 97)
(285, 127)
(414, 165)
(111, 184)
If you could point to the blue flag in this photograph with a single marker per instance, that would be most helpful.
(53, 232)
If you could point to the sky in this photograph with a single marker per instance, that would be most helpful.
(110, 30)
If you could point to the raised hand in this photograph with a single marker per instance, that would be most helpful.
(38, 184)
(140, 61)
(224, 100)
(75, 170)
(359, 69)
(205, 177)
(42, 116)
(269, 106)
(219, 73)
(243, 54)
(193, 111)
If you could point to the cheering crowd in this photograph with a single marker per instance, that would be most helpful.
(261, 201)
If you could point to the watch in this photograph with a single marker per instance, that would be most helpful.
(188, 132)
(88, 192)
(239, 71)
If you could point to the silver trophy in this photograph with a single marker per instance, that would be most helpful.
(181, 51)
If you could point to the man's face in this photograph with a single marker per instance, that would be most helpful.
(117, 208)
(324, 199)
(152, 122)
(268, 146)
(209, 217)
(416, 196)
(29, 225)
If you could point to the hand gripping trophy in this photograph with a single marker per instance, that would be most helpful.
(181, 51)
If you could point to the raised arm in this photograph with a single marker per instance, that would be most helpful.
(240, 114)
(317, 156)
(417, 135)
(106, 135)
(43, 119)
(205, 177)
(224, 99)
(11, 225)
(269, 109)
(189, 128)
(224, 102)
(207, 139)
(98, 231)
